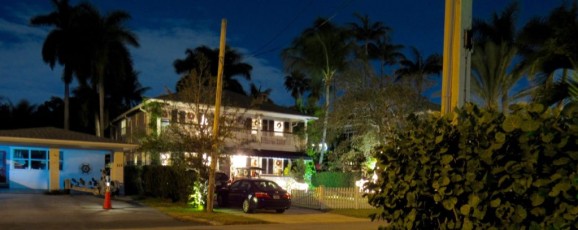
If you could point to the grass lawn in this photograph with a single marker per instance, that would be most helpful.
(184, 212)
(359, 213)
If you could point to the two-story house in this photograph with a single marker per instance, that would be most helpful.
(274, 135)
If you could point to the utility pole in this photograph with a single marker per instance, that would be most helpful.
(457, 55)
(215, 152)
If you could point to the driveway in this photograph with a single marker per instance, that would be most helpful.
(39, 211)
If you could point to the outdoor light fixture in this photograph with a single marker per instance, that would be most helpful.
(239, 161)
(323, 147)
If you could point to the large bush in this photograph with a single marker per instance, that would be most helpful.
(172, 182)
(132, 180)
(333, 179)
(481, 169)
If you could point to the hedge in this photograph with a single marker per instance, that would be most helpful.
(333, 179)
(480, 169)
(169, 182)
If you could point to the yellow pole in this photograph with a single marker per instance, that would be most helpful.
(456, 57)
(214, 153)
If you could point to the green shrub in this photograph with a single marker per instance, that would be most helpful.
(333, 179)
(132, 180)
(173, 182)
(479, 169)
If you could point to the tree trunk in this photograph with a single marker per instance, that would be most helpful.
(325, 118)
(66, 106)
(505, 102)
(100, 130)
(101, 108)
(211, 188)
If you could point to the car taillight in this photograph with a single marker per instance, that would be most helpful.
(286, 196)
(262, 195)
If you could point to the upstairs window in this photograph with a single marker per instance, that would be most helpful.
(174, 115)
(182, 117)
(123, 127)
(268, 126)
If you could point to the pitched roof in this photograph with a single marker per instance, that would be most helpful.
(241, 101)
(50, 136)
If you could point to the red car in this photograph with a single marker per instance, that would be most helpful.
(252, 194)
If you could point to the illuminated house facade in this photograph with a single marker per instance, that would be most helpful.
(270, 133)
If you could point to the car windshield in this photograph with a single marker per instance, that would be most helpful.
(267, 185)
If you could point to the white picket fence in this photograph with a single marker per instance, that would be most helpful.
(330, 198)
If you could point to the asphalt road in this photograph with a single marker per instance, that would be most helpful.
(39, 211)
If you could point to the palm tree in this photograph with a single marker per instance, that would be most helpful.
(547, 45)
(297, 84)
(124, 92)
(260, 96)
(107, 39)
(419, 71)
(367, 33)
(60, 44)
(22, 115)
(233, 66)
(491, 79)
(386, 52)
(321, 52)
(492, 61)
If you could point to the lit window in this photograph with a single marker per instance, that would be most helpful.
(21, 159)
(36, 159)
(204, 120)
(165, 158)
(123, 127)
(164, 123)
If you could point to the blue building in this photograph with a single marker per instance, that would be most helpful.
(43, 158)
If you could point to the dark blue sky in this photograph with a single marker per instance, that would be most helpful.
(259, 29)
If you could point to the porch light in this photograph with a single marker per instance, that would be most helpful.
(238, 161)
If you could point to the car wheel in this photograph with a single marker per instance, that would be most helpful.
(247, 206)
(280, 210)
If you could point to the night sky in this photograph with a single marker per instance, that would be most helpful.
(259, 29)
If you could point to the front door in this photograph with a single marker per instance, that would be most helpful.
(3, 170)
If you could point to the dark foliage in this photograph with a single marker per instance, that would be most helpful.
(481, 169)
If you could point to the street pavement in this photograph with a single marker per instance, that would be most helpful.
(39, 211)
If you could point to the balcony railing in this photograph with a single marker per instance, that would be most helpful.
(269, 140)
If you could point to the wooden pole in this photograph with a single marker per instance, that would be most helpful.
(215, 152)
(457, 55)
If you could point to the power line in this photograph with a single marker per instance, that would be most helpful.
(259, 52)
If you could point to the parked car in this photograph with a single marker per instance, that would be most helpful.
(253, 193)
